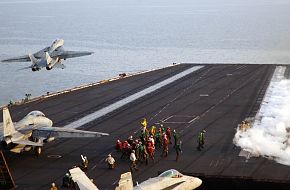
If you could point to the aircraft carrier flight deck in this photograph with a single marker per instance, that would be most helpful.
(185, 97)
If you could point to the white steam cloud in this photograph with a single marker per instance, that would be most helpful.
(269, 135)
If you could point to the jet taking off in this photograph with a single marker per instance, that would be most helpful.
(34, 130)
(49, 57)
(48, 62)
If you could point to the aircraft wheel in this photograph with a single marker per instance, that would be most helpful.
(38, 150)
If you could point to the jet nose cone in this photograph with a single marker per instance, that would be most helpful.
(198, 182)
(50, 123)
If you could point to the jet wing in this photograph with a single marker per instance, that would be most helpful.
(59, 65)
(21, 144)
(25, 58)
(61, 132)
(69, 54)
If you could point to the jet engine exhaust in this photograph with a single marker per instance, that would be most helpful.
(35, 69)
(6, 141)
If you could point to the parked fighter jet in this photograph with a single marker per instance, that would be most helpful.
(49, 57)
(34, 130)
(170, 179)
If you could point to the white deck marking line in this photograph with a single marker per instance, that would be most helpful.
(94, 167)
(197, 117)
(99, 113)
(115, 182)
(167, 118)
(177, 122)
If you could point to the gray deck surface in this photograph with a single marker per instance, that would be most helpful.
(215, 98)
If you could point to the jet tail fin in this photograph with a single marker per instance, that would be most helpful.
(8, 126)
(32, 59)
(82, 180)
(48, 58)
(125, 182)
(50, 62)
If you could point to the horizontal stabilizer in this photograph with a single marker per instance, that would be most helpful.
(28, 143)
(59, 65)
(33, 59)
(61, 132)
(18, 149)
(48, 58)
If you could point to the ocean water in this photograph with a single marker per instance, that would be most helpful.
(136, 35)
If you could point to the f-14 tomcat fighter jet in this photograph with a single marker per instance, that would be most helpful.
(49, 57)
(34, 130)
(170, 179)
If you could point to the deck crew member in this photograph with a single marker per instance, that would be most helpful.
(175, 136)
(165, 146)
(66, 180)
(85, 162)
(152, 130)
(200, 140)
(168, 133)
(53, 187)
(178, 149)
(118, 146)
(130, 140)
(110, 161)
(133, 161)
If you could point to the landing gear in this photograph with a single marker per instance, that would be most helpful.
(38, 150)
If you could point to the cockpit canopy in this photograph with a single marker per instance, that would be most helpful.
(171, 174)
(36, 114)
(55, 41)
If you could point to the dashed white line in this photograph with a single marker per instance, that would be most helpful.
(115, 182)
(94, 167)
